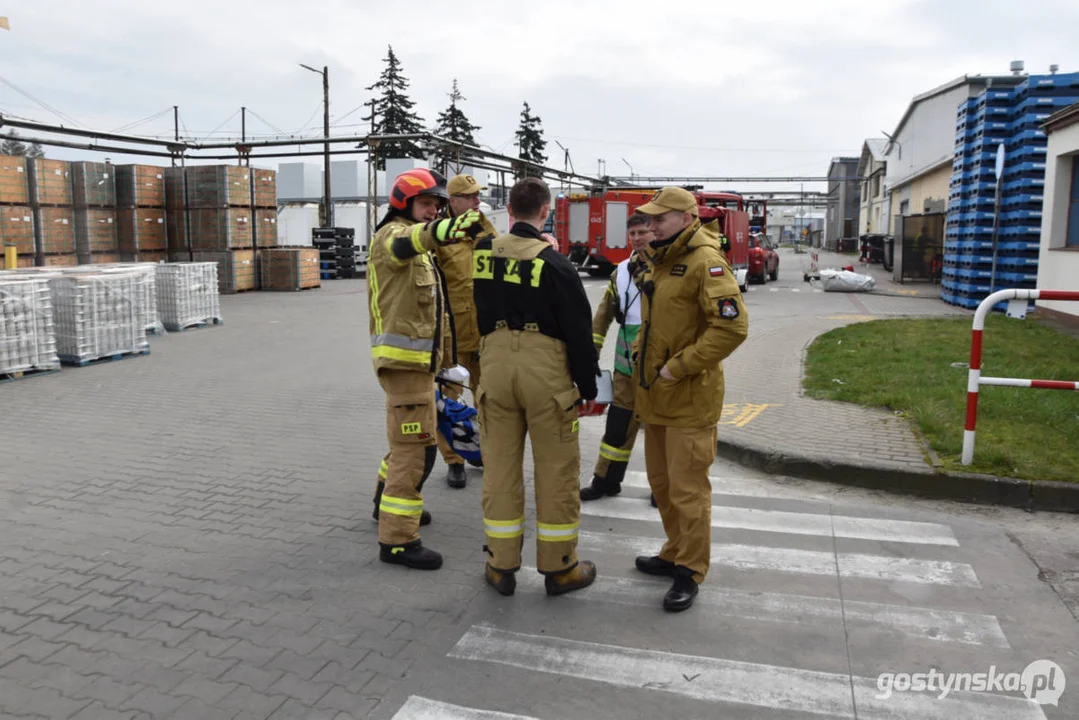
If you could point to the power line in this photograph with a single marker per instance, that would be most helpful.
(265, 122)
(42, 103)
(691, 147)
(145, 120)
(227, 120)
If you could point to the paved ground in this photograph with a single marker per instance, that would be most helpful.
(764, 377)
(188, 535)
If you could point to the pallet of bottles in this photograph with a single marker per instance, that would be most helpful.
(188, 294)
(27, 326)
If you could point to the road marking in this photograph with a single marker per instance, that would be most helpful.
(915, 622)
(791, 523)
(420, 708)
(852, 318)
(720, 680)
(773, 289)
(741, 414)
(805, 562)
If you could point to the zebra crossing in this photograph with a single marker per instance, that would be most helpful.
(779, 630)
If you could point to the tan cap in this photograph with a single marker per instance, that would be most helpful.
(464, 185)
(670, 199)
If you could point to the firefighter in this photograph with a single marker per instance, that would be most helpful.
(407, 299)
(535, 345)
(693, 318)
(621, 302)
(455, 262)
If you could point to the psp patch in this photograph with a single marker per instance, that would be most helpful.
(715, 271)
(411, 428)
(728, 308)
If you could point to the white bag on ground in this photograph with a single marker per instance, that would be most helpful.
(845, 281)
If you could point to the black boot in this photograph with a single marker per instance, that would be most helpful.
(654, 565)
(680, 596)
(413, 555)
(654, 501)
(600, 487)
(455, 476)
(425, 517)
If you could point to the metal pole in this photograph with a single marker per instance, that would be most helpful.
(326, 146)
(996, 233)
(243, 133)
(176, 128)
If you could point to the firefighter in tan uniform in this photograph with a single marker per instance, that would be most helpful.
(407, 303)
(536, 344)
(693, 318)
(622, 303)
(455, 262)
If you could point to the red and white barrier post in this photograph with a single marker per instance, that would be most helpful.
(975, 379)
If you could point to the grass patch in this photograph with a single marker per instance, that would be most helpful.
(906, 366)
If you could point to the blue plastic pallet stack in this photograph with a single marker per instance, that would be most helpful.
(1012, 116)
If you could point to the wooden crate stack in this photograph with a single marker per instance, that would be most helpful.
(16, 215)
(93, 194)
(289, 268)
(54, 218)
(220, 224)
(140, 219)
(176, 220)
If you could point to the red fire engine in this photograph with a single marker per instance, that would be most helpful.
(592, 228)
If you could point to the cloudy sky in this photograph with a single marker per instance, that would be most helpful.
(731, 88)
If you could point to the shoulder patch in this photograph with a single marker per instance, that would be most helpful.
(715, 270)
(728, 308)
(678, 270)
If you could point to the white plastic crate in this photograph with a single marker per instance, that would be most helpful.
(27, 329)
(187, 294)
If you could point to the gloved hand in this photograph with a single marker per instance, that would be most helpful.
(454, 230)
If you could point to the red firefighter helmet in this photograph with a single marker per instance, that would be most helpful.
(412, 183)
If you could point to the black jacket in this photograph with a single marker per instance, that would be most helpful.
(558, 306)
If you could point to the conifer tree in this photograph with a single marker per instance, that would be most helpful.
(530, 142)
(393, 114)
(453, 125)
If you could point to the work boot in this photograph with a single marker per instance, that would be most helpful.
(504, 581)
(680, 596)
(425, 517)
(413, 555)
(654, 565)
(653, 501)
(579, 576)
(455, 476)
(599, 488)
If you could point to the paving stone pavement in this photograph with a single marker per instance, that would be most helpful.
(188, 535)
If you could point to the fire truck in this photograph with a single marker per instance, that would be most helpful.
(591, 228)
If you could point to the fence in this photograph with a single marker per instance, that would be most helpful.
(975, 379)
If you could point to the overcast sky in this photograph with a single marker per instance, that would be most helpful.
(731, 88)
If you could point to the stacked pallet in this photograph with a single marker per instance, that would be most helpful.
(289, 268)
(220, 222)
(27, 330)
(93, 195)
(54, 218)
(176, 215)
(1011, 117)
(140, 219)
(16, 216)
(187, 294)
(98, 315)
(337, 253)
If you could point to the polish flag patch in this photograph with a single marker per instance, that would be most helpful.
(715, 271)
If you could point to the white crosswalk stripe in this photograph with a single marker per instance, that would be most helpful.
(719, 680)
(922, 623)
(808, 562)
(420, 708)
(778, 521)
(743, 587)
